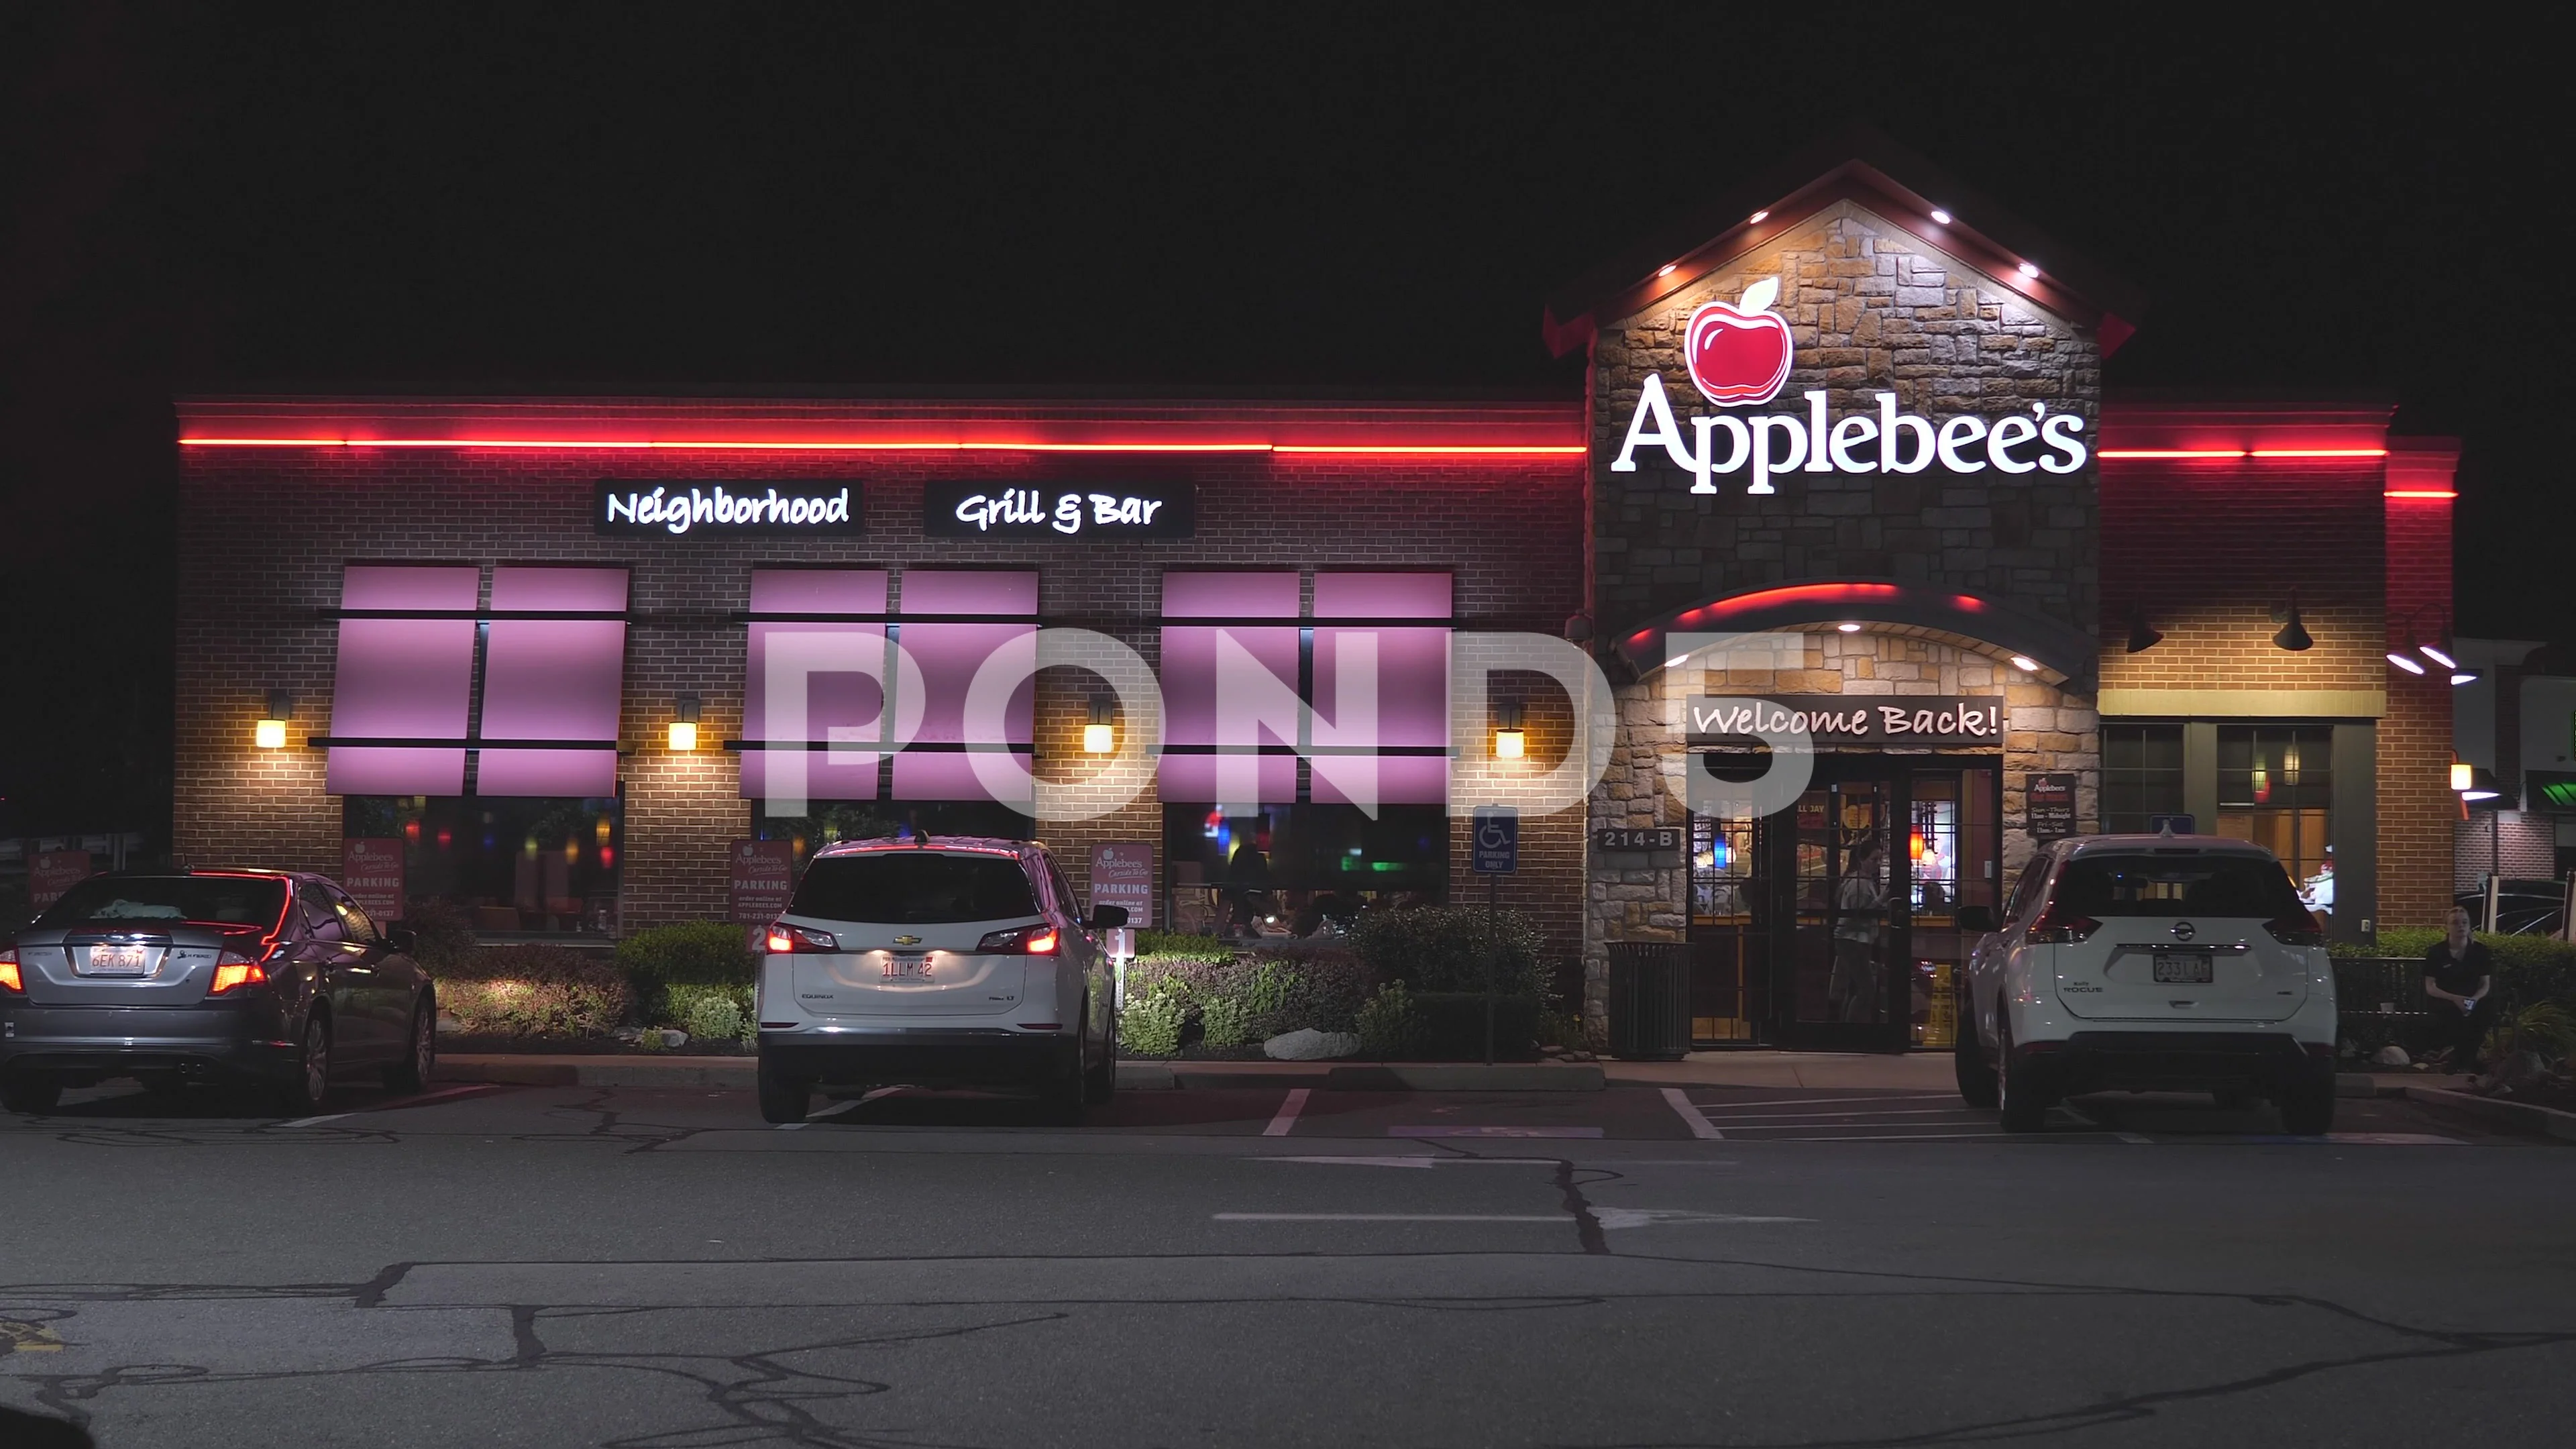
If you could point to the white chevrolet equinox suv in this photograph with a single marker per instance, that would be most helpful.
(2150, 963)
(936, 963)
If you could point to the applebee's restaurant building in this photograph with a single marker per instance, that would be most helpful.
(1844, 455)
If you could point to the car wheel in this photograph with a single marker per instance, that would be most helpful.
(2017, 1087)
(310, 1087)
(1101, 1082)
(1977, 1085)
(30, 1095)
(783, 1098)
(411, 1074)
(1067, 1093)
(2308, 1106)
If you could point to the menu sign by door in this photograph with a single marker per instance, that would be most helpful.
(2050, 805)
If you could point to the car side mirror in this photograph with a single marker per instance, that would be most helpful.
(402, 938)
(1108, 918)
(1979, 919)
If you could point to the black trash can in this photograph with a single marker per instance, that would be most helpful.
(1649, 1000)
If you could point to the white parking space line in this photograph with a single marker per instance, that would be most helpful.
(1493, 1132)
(1700, 1126)
(1741, 1118)
(2132, 1138)
(836, 1109)
(1282, 1122)
(471, 1089)
(317, 1121)
(1394, 1217)
(1820, 1101)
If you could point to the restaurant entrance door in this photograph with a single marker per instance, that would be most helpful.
(1833, 924)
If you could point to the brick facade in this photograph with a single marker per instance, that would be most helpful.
(268, 531)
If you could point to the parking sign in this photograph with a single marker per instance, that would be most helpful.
(1498, 840)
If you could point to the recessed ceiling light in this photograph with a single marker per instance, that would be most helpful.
(1848, 628)
(2025, 664)
(1940, 217)
(2029, 269)
(1756, 218)
(1666, 269)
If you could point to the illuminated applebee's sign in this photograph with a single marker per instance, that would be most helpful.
(1739, 354)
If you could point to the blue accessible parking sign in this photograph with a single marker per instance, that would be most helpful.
(1498, 840)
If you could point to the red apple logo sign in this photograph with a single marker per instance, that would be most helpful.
(1739, 351)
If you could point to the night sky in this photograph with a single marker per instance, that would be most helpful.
(566, 198)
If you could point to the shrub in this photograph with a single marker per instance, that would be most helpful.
(690, 953)
(2543, 1028)
(2528, 969)
(1325, 990)
(1388, 1024)
(442, 935)
(1151, 1024)
(1450, 948)
(1164, 943)
(716, 1013)
(1452, 1026)
(1192, 974)
(534, 990)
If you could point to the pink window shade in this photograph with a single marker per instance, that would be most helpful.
(843, 700)
(949, 654)
(1411, 682)
(1195, 771)
(559, 680)
(403, 679)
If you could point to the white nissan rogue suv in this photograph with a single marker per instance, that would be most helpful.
(2144, 963)
(946, 962)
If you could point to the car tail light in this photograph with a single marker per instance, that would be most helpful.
(2058, 926)
(233, 970)
(9, 978)
(2295, 929)
(1040, 940)
(787, 940)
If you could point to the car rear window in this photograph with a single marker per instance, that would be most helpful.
(146, 901)
(2166, 885)
(914, 888)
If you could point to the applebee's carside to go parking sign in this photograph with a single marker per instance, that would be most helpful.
(1739, 355)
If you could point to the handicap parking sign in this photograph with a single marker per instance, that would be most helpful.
(1498, 840)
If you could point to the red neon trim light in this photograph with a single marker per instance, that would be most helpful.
(2420, 493)
(801, 445)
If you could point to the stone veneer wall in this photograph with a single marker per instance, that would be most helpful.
(1871, 309)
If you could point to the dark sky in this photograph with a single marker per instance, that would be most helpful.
(500, 197)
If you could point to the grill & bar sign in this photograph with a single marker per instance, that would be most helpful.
(1844, 719)
(1104, 509)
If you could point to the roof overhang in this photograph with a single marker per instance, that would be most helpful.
(2065, 655)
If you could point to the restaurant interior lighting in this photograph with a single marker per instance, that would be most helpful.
(2141, 637)
(1099, 732)
(2293, 635)
(1510, 743)
(684, 724)
(270, 732)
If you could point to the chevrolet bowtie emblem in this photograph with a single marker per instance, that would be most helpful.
(907, 940)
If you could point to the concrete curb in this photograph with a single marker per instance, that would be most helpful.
(602, 1071)
(2528, 1115)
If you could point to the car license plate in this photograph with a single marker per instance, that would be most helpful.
(2182, 968)
(902, 967)
(115, 961)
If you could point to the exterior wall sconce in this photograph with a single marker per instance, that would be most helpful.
(270, 732)
(1509, 741)
(2293, 635)
(1100, 732)
(2438, 652)
(2462, 775)
(684, 724)
(2141, 637)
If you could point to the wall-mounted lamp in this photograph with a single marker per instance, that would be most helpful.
(2412, 658)
(2293, 635)
(1509, 741)
(270, 732)
(1100, 733)
(2141, 637)
(2462, 775)
(684, 724)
